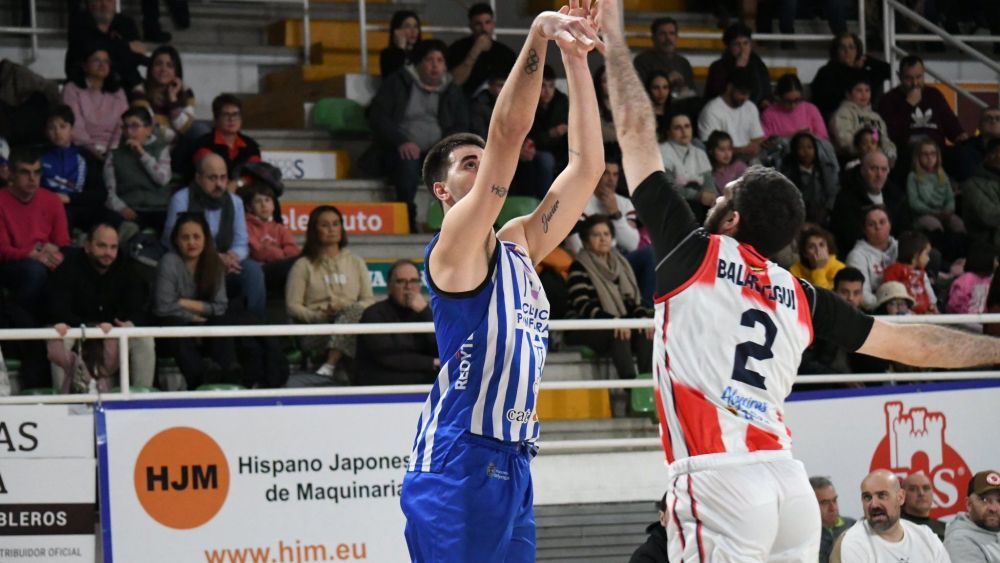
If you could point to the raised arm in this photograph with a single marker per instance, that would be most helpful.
(635, 123)
(549, 224)
(930, 346)
(459, 260)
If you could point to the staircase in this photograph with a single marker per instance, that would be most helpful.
(604, 532)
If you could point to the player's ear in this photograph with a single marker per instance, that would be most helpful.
(440, 191)
(731, 223)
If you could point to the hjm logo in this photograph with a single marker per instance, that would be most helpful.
(915, 441)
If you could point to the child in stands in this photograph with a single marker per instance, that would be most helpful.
(929, 191)
(137, 172)
(271, 243)
(720, 152)
(910, 270)
(64, 173)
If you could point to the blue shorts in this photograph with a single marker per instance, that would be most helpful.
(479, 508)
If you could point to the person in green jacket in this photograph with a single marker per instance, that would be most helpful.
(929, 191)
(981, 198)
(833, 523)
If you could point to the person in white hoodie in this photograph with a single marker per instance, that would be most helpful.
(874, 253)
(882, 535)
(975, 537)
(856, 113)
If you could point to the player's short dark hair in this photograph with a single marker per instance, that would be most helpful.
(770, 207)
(660, 22)
(588, 223)
(142, 114)
(741, 79)
(908, 61)
(425, 47)
(63, 112)
(911, 244)
(223, 100)
(736, 30)
(24, 155)
(848, 275)
(479, 9)
(439, 157)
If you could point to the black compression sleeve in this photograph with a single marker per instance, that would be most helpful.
(836, 320)
(664, 212)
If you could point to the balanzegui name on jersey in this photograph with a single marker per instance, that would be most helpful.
(744, 276)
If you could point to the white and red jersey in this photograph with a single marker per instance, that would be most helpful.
(727, 348)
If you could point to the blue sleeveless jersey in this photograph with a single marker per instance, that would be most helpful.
(492, 342)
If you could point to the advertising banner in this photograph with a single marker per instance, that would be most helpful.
(306, 164)
(47, 472)
(360, 218)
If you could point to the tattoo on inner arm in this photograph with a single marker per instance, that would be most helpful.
(547, 216)
(574, 153)
(532, 66)
(499, 191)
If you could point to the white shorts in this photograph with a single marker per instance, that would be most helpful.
(737, 508)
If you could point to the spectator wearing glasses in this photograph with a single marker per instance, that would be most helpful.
(398, 359)
(226, 140)
(98, 101)
(970, 153)
(116, 33)
(791, 113)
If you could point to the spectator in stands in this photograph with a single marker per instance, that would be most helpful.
(32, 231)
(413, 109)
(404, 33)
(271, 243)
(731, 113)
(224, 214)
(892, 298)
(856, 114)
(910, 269)
(739, 54)
(929, 191)
(817, 262)
(791, 113)
(865, 185)
(981, 198)
(919, 501)
(913, 109)
(815, 179)
(98, 101)
(65, 173)
(882, 535)
(663, 57)
(725, 168)
(136, 173)
(151, 29)
(970, 153)
(604, 106)
(613, 206)
(483, 102)
(93, 287)
(170, 101)
(967, 294)
(328, 284)
(191, 290)
(398, 359)
(875, 252)
(551, 120)
(692, 172)
(226, 140)
(849, 284)
(974, 537)
(25, 100)
(848, 63)
(473, 59)
(602, 285)
(117, 35)
(658, 88)
(829, 511)
(655, 548)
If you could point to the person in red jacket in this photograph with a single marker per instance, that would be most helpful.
(910, 270)
(33, 227)
(271, 243)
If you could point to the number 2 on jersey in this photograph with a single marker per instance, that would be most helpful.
(750, 349)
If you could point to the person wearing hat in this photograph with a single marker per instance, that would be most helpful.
(975, 536)
(893, 299)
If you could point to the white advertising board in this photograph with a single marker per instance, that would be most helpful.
(303, 164)
(47, 473)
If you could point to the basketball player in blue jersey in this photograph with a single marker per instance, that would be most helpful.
(731, 326)
(467, 495)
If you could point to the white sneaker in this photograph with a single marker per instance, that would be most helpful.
(326, 370)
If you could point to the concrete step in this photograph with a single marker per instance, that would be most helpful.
(337, 190)
(389, 247)
(291, 138)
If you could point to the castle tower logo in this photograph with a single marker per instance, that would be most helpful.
(915, 441)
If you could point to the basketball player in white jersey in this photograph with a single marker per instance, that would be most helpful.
(730, 330)
(467, 495)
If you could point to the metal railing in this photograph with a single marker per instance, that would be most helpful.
(32, 31)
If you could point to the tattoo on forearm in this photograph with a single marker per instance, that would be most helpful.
(547, 216)
(499, 191)
(574, 153)
(532, 66)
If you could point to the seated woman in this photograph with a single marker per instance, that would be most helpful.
(847, 62)
(404, 32)
(791, 113)
(818, 262)
(191, 290)
(98, 102)
(328, 284)
(658, 89)
(816, 180)
(689, 165)
(603, 286)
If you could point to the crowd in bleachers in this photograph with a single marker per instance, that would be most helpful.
(121, 208)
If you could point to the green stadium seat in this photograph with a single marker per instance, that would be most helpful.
(12, 364)
(294, 357)
(137, 389)
(586, 352)
(435, 215)
(220, 387)
(340, 116)
(516, 206)
(642, 401)
(39, 391)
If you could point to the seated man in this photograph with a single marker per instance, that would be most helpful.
(739, 55)
(914, 109)
(95, 288)
(829, 510)
(227, 221)
(733, 113)
(919, 501)
(655, 548)
(663, 56)
(226, 140)
(115, 32)
(864, 186)
(981, 198)
(414, 109)
(398, 359)
(974, 537)
(970, 153)
(32, 230)
(473, 59)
